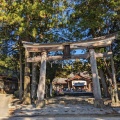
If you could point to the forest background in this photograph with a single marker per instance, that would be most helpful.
(56, 21)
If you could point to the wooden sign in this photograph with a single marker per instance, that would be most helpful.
(66, 51)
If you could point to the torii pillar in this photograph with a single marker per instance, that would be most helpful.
(96, 84)
(34, 81)
(41, 85)
(26, 97)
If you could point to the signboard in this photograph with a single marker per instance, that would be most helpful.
(79, 83)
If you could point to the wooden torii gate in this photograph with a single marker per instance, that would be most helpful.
(66, 47)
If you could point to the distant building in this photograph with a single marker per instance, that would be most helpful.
(59, 84)
(8, 84)
(80, 82)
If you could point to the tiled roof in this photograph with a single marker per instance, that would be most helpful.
(79, 77)
(59, 81)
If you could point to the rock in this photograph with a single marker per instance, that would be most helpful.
(62, 102)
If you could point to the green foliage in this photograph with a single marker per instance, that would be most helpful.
(51, 71)
(28, 20)
(116, 53)
(71, 67)
(95, 16)
(31, 19)
(9, 66)
(55, 21)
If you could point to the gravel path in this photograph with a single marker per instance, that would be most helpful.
(58, 109)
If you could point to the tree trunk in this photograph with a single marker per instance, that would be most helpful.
(21, 86)
(26, 98)
(34, 82)
(108, 69)
(103, 81)
(96, 84)
(115, 92)
(46, 91)
(41, 85)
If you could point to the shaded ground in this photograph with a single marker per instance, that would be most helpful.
(58, 108)
(65, 105)
(74, 117)
(79, 93)
(4, 102)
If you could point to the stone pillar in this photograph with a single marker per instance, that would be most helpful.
(26, 98)
(51, 87)
(34, 82)
(41, 85)
(114, 91)
(96, 85)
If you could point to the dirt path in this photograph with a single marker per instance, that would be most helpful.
(4, 101)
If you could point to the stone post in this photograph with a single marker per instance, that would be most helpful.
(96, 85)
(41, 85)
(26, 98)
(34, 82)
(51, 89)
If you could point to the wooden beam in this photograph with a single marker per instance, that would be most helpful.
(106, 54)
(60, 57)
(44, 48)
(95, 42)
(49, 58)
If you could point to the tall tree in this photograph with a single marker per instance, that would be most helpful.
(28, 20)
